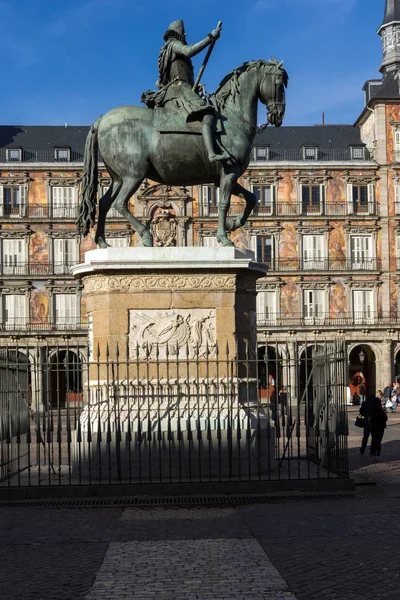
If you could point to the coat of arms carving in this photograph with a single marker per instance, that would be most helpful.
(163, 228)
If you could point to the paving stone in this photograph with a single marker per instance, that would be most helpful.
(204, 569)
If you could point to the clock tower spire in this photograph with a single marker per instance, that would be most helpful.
(390, 34)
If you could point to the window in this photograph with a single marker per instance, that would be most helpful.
(64, 202)
(259, 154)
(62, 154)
(361, 252)
(397, 146)
(313, 252)
(118, 242)
(398, 251)
(210, 241)
(311, 199)
(266, 307)
(310, 153)
(397, 197)
(263, 248)
(13, 201)
(210, 200)
(14, 154)
(14, 256)
(360, 198)
(363, 306)
(65, 310)
(357, 152)
(14, 311)
(64, 255)
(265, 195)
(313, 306)
(113, 213)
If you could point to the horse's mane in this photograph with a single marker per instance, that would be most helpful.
(229, 86)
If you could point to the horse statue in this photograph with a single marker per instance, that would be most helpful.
(137, 143)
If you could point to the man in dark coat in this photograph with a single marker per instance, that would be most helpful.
(376, 419)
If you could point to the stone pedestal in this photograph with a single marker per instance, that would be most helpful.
(172, 363)
(178, 296)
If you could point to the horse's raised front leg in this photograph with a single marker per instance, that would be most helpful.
(226, 186)
(234, 223)
(105, 203)
(129, 187)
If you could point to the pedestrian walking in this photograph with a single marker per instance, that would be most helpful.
(375, 425)
(387, 392)
(362, 391)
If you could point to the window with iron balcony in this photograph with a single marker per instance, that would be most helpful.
(360, 198)
(263, 248)
(313, 306)
(312, 198)
(209, 200)
(64, 202)
(13, 256)
(14, 308)
(13, 201)
(265, 195)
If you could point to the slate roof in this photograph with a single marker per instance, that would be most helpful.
(386, 88)
(38, 142)
(324, 136)
(392, 12)
(43, 137)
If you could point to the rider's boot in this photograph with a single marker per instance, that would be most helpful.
(208, 136)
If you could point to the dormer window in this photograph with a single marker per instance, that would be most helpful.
(357, 152)
(310, 153)
(260, 154)
(62, 154)
(14, 154)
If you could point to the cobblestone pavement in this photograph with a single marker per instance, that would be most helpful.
(328, 550)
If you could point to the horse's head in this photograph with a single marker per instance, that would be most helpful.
(272, 92)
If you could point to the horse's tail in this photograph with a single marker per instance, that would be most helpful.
(87, 208)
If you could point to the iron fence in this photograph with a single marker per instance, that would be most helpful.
(141, 416)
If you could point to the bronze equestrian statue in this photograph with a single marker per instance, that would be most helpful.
(174, 140)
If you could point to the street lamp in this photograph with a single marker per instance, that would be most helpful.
(361, 356)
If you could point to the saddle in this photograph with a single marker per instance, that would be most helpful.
(170, 119)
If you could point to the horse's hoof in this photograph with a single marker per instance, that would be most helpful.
(224, 241)
(101, 243)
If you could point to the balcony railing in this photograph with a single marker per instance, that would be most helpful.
(22, 324)
(322, 264)
(41, 156)
(295, 209)
(22, 269)
(47, 211)
(322, 154)
(326, 319)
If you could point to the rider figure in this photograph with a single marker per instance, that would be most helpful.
(176, 71)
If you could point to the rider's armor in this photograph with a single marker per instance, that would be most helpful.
(176, 76)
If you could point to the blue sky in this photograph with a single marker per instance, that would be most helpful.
(72, 60)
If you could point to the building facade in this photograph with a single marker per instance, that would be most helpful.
(327, 225)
